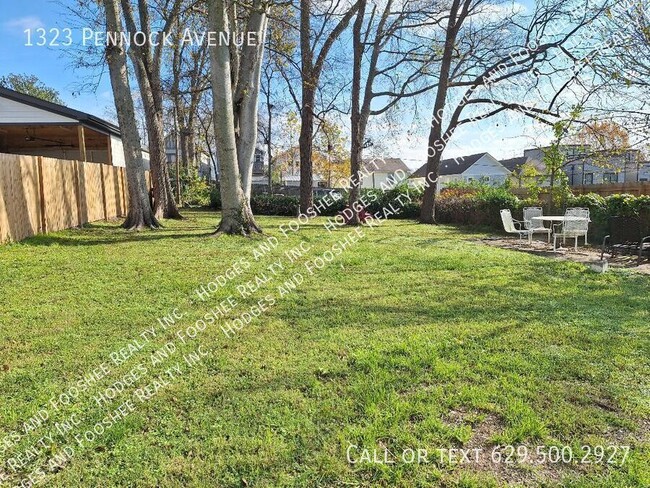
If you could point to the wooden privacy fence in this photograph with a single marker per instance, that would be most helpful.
(39, 195)
(637, 188)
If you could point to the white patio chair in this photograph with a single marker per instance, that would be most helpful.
(512, 226)
(579, 212)
(572, 229)
(536, 226)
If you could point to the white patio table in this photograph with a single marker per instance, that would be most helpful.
(558, 218)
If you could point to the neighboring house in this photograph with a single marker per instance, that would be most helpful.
(294, 180)
(383, 172)
(644, 171)
(289, 162)
(260, 174)
(205, 168)
(477, 167)
(582, 168)
(516, 165)
(32, 126)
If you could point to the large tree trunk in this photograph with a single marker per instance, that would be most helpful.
(356, 126)
(307, 111)
(247, 96)
(165, 204)
(428, 209)
(140, 214)
(305, 143)
(148, 76)
(436, 141)
(236, 217)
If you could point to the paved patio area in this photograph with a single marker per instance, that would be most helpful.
(586, 254)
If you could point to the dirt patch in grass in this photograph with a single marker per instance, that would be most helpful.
(507, 465)
(585, 254)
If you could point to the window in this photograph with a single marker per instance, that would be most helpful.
(588, 179)
(610, 178)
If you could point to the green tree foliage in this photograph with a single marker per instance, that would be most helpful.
(30, 85)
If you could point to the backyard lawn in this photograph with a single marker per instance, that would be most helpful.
(413, 340)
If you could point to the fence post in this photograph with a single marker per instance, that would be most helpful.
(124, 201)
(101, 172)
(77, 182)
(41, 195)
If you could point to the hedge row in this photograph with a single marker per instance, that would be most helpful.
(480, 205)
(602, 208)
(328, 206)
(473, 204)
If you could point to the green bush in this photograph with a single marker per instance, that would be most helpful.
(475, 204)
(275, 205)
(395, 198)
(215, 198)
(602, 208)
(196, 191)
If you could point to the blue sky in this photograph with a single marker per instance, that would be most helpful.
(49, 64)
(52, 67)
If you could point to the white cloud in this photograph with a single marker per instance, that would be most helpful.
(23, 23)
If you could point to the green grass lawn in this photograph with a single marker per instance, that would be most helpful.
(416, 337)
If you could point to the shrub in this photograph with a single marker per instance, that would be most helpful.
(215, 198)
(275, 205)
(196, 191)
(404, 199)
(602, 208)
(475, 204)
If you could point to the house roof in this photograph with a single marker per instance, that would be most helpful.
(315, 177)
(514, 164)
(453, 166)
(82, 117)
(385, 165)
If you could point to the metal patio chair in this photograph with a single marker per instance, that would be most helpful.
(512, 226)
(579, 212)
(536, 226)
(572, 228)
(626, 238)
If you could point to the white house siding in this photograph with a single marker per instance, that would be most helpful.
(618, 169)
(117, 152)
(486, 169)
(20, 113)
(379, 180)
(644, 172)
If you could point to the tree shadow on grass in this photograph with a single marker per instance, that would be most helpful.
(99, 235)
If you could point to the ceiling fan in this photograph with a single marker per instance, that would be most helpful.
(31, 138)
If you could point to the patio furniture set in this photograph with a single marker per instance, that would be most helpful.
(625, 237)
(573, 224)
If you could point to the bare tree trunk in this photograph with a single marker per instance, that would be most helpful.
(305, 144)
(147, 69)
(311, 69)
(356, 143)
(236, 217)
(140, 214)
(268, 142)
(307, 111)
(247, 96)
(436, 142)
